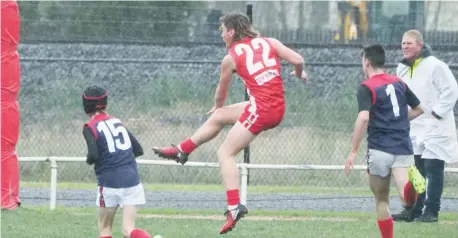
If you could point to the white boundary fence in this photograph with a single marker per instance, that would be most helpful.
(243, 170)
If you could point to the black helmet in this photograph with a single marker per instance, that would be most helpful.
(94, 99)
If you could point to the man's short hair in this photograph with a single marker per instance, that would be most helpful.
(415, 34)
(375, 54)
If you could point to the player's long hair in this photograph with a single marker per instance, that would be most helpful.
(241, 24)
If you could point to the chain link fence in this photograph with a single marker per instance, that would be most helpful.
(159, 61)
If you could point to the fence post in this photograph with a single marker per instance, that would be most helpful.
(53, 195)
(243, 184)
(246, 150)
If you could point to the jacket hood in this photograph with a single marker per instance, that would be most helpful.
(425, 52)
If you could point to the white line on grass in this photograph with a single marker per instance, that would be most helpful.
(251, 218)
(264, 218)
(257, 218)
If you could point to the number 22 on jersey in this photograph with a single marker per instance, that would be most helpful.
(391, 92)
(113, 129)
(248, 50)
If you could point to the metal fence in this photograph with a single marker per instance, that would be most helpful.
(162, 91)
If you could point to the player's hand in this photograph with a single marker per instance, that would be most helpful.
(304, 75)
(350, 162)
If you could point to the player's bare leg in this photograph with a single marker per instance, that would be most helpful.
(409, 183)
(238, 138)
(227, 115)
(380, 187)
(128, 223)
(405, 188)
(106, 217)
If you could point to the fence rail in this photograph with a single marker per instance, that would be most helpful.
(242, 166)
(145, 61)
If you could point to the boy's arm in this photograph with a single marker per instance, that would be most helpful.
(291, 57)
(92, 150)
(136, 147)
(364, 97)
(227, 69)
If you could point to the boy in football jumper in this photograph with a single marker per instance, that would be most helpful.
(383, 101)
(113, 149)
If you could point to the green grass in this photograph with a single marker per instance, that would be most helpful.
(81, 222)
(448, 192)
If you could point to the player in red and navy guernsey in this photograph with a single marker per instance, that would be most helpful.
(384, 101)
(113, 149)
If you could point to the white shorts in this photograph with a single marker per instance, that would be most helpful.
(113, 197)
(380, 163)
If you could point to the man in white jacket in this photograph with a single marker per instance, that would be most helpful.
(433, 134)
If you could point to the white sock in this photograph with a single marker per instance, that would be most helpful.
(179, 147)
(232, 207)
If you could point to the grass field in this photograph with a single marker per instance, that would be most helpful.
(81, 222)
(36, 221)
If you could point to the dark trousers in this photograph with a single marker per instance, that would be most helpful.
(433, 171)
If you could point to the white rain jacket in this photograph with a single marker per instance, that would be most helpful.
(434, 84)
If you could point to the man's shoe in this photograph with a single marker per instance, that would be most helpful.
(427, 217)
(406, 215)
(232, 217)
(172, 153)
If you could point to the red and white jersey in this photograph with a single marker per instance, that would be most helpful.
(259, 66)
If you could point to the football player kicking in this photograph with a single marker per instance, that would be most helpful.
(257, 61)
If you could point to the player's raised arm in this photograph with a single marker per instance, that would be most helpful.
(227, 69)
(92, 150)
(291, 57)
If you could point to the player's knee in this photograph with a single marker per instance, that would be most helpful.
(217, 116)
(221, 153)
(224, 153)
(222, 116)
(380, 188)
(382, 195)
